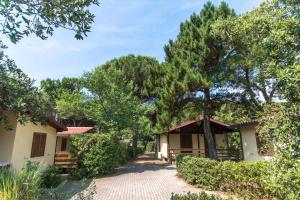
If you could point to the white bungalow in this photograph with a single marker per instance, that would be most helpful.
(188, 138)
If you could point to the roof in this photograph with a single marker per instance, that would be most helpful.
(56, 124)
(245, 124)
(75, 130)
(194, 122)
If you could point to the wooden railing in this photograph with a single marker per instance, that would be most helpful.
(64, 160)
(222, 154)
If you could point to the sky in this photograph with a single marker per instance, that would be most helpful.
(121, 27)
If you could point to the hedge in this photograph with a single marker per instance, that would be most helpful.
(200, 196)
(98, 154)
(247, 179)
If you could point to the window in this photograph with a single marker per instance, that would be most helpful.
(38, 144)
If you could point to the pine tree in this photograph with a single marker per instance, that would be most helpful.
(196, 70)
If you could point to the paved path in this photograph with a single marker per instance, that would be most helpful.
(144, 179)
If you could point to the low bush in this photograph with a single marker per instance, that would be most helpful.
(98, 154)
(140, 147)
(197, 171)
(284, 178)
(51, 177)
(150, 146)
(25, 184)
(247, 179)
(193, 196)
(124, 152)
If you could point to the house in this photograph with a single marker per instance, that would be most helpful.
(63, 157)
(28, 142)
(251, 143)
(188, 137)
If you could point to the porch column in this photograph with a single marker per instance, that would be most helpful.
(241, 143)
(156, 146)
(198, 138)
(227, 145)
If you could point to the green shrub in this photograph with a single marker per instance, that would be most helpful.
(98, 154)
(244, 178)
(150, 146)
(247, 179)
(192, 196)
(284, 180)
(124, 152)
(51, 177)
(25, 184)
(198, 171)
(140, 148)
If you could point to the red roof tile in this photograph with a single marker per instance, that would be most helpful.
(75, 130)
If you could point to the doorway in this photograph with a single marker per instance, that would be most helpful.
(186, 142)
(64, 144)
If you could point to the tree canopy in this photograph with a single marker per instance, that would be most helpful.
(39, 17)
(115, 100)
(196, 57)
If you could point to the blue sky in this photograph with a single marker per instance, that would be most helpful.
(121, 27)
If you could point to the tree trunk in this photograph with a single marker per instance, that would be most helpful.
(207, 130)
(134, 140)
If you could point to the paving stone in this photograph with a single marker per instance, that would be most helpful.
(144, 179)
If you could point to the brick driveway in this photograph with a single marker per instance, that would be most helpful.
(143, 179)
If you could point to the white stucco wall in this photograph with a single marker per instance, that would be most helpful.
(174, 140)
(163, 153)
(23, 144)
(250, 146)
(7, 137)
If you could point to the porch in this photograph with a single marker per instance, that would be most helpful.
(188, 138)
(63, 159)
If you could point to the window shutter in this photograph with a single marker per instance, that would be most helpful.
(38, 144)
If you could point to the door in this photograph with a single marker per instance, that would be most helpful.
(64, 144)
(186, 142)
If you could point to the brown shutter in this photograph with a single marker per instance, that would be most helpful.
(38, 144)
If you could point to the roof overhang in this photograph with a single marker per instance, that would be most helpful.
(238, 126)
(56, 124)
(74, 131)
(196, 126)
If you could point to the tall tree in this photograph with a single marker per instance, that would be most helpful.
(72, 107)
(67, 99)
(266, 45)
(197, 57)
(38, 17)
(19, 95)
(265, 41)
(112, 103)
(143, 71)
